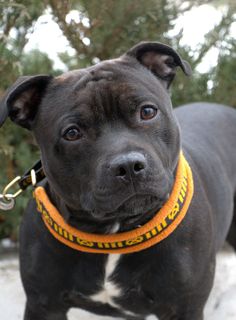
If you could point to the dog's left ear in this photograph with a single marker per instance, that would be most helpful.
(160, 59)
(22, 99)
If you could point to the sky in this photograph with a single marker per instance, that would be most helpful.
(47, 36)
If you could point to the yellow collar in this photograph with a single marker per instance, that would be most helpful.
(158, 228)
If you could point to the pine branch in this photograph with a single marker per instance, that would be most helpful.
(72, 31)
(216, 36)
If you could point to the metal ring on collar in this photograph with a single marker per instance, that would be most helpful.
(6, 204)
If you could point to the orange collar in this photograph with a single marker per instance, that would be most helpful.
(158, 228)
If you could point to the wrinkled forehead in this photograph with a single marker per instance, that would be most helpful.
(105, 87)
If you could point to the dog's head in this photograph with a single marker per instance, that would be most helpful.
(108, 138)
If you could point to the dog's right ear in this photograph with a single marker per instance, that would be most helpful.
(160, 59)
(22, 99)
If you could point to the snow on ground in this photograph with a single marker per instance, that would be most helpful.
(221, 304)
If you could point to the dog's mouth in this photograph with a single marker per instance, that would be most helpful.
(134, 208)
(137, 204)
(139, 209)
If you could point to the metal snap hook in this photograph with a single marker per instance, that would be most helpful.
(7, 200)
(6, 196)
(6, 204)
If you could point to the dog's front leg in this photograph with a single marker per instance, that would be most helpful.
(192, 317)
(134, 318)
(35, 312)
(195, 315)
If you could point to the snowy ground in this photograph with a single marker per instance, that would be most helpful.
(221, 305)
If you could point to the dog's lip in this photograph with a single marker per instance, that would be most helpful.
(101, 198)
(142, 217)
(158, 202)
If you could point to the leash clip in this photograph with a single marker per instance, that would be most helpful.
(31, 177)
(6, 205)
(7, 200)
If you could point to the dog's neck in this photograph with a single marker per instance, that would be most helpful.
(99, 237)
(84, 221)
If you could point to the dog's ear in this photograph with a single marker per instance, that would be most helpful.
(160, 59)
(21, 100)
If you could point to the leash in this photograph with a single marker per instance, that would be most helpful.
(30, 178)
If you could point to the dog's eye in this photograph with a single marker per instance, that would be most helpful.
(72, 134)
(148, 112)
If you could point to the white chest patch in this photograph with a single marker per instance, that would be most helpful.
(109, 289)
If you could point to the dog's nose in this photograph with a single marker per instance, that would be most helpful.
(128, 165)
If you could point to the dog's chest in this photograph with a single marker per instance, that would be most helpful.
(109, 289)
(118, 292)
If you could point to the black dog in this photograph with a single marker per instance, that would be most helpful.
(110, 147)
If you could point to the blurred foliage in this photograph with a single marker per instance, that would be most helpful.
(224, 77)
(17, 19)
(98, 30)
(17, 153)
(35, 62)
